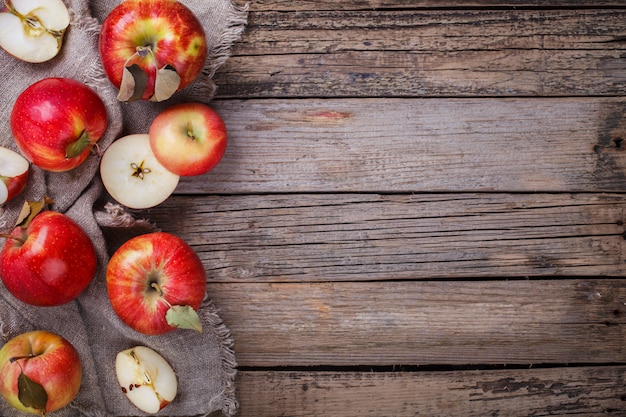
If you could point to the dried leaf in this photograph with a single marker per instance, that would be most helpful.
(166, 84)
(183, 317)
(30, 209)
(134, 83)
(31, 394)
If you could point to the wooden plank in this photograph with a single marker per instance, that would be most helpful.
(420, 145)
(385, 237)
(588, 391)
(428, 53)
(298, 5)
(415, 323)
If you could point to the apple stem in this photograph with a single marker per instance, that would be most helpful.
(17, 358)
(8, 236)
(160, 291)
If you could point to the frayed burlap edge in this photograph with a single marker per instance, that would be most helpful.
(220, 52)
(209, 314)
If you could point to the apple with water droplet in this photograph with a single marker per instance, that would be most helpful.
(14, 173)
(33, 30)
(57, 122)
(151, 49)
(40, 372)
(156, 283)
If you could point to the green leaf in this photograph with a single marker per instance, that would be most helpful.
(183, 317)
(31, 394)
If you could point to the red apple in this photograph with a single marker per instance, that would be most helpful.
(56, 123)
(156, 283)
(48, 261)
(45, 366)
(14, 172)
(188, 139)
(32, 30)
(151, 49)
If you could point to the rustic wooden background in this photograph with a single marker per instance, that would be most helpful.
(421, 209)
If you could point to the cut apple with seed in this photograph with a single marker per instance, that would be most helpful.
(133, 176)
(14, 172)
(146, 378)
(32, 30)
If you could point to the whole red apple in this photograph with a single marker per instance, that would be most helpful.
(188, 138)
(156, 283)
(14, 173)
(151, 49)
(47, 368)
(56, 122)
(49, 261)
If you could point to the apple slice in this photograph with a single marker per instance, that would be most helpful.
(14, 172)
(147, 379)
(133, 176)
(32, 30)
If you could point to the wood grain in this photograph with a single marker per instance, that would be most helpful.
(388, 237)
(402, 53)
(420, 145)
(300, 5)
(586, 391)
(416, 323)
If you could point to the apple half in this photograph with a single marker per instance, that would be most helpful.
(32, 30)
(14, 172)
(133, 176)
(146, 378)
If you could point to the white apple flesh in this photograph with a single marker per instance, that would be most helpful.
(133, 176)
(32, 30)
(14, 169)
(146, 378)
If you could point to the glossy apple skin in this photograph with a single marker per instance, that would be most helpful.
(53, 113)
(55, 365)
(188, 138)
(56, 262)
(172, 30)
(161, 258)
(15, 185)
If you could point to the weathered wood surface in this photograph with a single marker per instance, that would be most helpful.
(361, 237)
(504, 393)
(378, 5)
(414, 145)
(430, 53)
(421, 208)
(425, 323)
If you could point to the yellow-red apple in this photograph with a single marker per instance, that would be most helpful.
(156, 283)
(151, 49)
(188, 138)
(40, 372)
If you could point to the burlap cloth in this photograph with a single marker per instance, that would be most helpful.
(204, 363)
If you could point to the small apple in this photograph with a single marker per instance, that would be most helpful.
(14, 172)
(151, 49)
(56, 123)
(40, 372)
(47, 260)
(156, 283)
(146, 378)
(188, 138)
(132, 175)
(32, 30)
